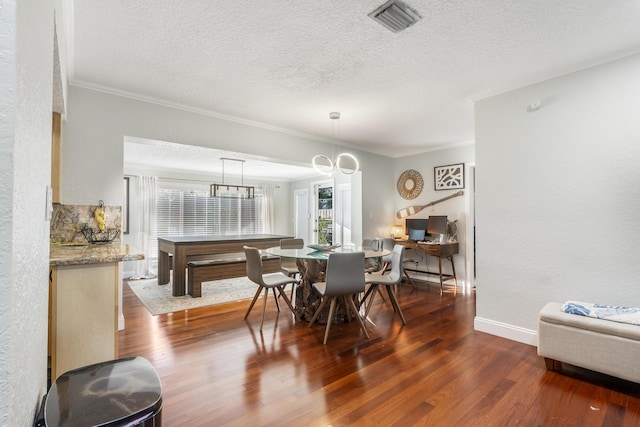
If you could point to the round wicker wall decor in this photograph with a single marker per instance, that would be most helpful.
(410, 184)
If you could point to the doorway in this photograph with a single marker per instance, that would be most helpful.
(301, 212)
(323, 217)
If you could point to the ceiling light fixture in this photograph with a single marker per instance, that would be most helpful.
(232, 191)
(326, 166)
(395, 16)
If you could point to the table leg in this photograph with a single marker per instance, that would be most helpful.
(179, 279)
(307, 300)
(163, 268)
(453, 271)
(440, 273)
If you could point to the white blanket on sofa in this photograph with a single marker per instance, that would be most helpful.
(600, 311)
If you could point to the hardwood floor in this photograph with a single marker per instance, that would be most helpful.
(218, 369)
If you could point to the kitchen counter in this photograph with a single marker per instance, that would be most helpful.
(85, 297)
(76, 254)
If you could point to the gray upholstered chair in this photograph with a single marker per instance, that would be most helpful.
(371, 264)
(389, 243)
(388, 280)
(288, 265)
(345, 278)
(268, 281)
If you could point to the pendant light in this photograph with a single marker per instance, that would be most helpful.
(327, 166)
(230, 190)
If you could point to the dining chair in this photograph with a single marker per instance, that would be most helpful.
(389, 243)
(268, 281)
(371, 264)
(388, 280)
(289, 265)
(344, 279)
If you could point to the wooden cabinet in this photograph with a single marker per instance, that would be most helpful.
(83, 322)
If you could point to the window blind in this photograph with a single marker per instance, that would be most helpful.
(188, 210)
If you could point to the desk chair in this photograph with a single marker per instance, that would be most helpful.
(268, 281)
(389, 280)
(388, 243)
(288, 265)
(344, 280)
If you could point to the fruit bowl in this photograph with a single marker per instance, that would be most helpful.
(93, 235)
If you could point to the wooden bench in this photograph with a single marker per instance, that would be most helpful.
(223, 266)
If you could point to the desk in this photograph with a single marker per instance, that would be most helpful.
(189, 248)
(439, 250)
(312, 266)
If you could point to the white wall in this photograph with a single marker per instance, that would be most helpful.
(455, 208)
(558, 196)
(26, 64)
(96, 124)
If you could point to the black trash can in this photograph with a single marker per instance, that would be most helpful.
(123, 392)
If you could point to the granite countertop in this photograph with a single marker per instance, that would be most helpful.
(75, 254)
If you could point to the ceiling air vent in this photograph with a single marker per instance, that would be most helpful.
(395, 16)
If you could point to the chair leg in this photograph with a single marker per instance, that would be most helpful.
(318, 311)
(293, 286)
(396, 306)
(275, 297)
(264, 306)
(255, 297)
(370, 303)
(349, 303)
(293, 290)
(332, 309)
(366, 295)
(284, 297)
(409, 278)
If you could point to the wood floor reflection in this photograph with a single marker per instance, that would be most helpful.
(218, 369)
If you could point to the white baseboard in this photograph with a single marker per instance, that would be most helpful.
(504, 330)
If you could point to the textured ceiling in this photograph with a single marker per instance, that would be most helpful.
(289, 63)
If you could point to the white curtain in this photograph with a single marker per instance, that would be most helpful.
(268, 209)
(146, 207)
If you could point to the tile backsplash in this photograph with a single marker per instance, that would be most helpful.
(67, 221)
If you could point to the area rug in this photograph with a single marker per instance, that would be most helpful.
(158, 299)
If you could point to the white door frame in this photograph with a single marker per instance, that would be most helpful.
(471, 227)
(301, 214)
(314, 200)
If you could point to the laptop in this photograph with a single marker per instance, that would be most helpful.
(416, 235)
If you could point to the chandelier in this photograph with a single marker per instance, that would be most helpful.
(327, 166)
(231, 190)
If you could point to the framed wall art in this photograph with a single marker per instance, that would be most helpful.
(449, 177)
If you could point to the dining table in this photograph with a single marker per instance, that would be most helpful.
(174, 252)
(312, 265)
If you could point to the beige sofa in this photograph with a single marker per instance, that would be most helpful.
(605, 346)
